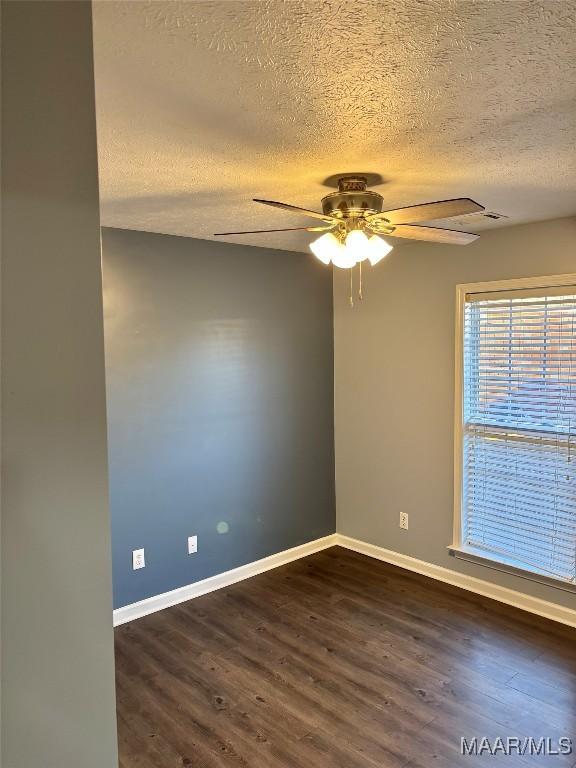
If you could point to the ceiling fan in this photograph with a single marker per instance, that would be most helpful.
(353, 220)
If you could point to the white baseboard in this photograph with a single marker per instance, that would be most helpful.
(470, 583)
(180, 595)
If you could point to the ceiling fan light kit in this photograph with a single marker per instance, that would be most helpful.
(347, 250)
(353, 221)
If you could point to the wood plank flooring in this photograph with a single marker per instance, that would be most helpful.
(340, 661)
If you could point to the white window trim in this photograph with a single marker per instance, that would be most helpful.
(457, 548)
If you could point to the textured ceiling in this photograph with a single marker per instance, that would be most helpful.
(204, 105)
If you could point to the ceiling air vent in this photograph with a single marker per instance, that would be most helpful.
(480, 215)
(478, 218)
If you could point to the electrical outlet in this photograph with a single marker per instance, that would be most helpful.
(192, 544)
(138, 560)
(404, 521)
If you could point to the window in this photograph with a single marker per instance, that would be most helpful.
(516, 425)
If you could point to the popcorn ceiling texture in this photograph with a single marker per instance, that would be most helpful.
(204, 105)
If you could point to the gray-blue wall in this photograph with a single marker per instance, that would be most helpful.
(219, 363)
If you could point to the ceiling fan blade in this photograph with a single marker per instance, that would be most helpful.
(441, 209)
(295, 209)
(433, 234)
(289, 229)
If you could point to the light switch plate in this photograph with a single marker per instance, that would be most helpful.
(138, 560)
(192, 544)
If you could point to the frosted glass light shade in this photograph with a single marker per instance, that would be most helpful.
(356, 243)
(376, 249)
(343, 258)
(326, 247)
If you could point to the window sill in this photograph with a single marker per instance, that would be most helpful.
(479, 557)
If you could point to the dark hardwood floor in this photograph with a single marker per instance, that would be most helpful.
(340, 661)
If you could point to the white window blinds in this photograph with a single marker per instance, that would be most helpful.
(519, 411)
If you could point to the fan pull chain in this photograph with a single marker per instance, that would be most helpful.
(360, 296)
(352, 288)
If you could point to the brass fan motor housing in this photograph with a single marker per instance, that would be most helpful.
(352, 200)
